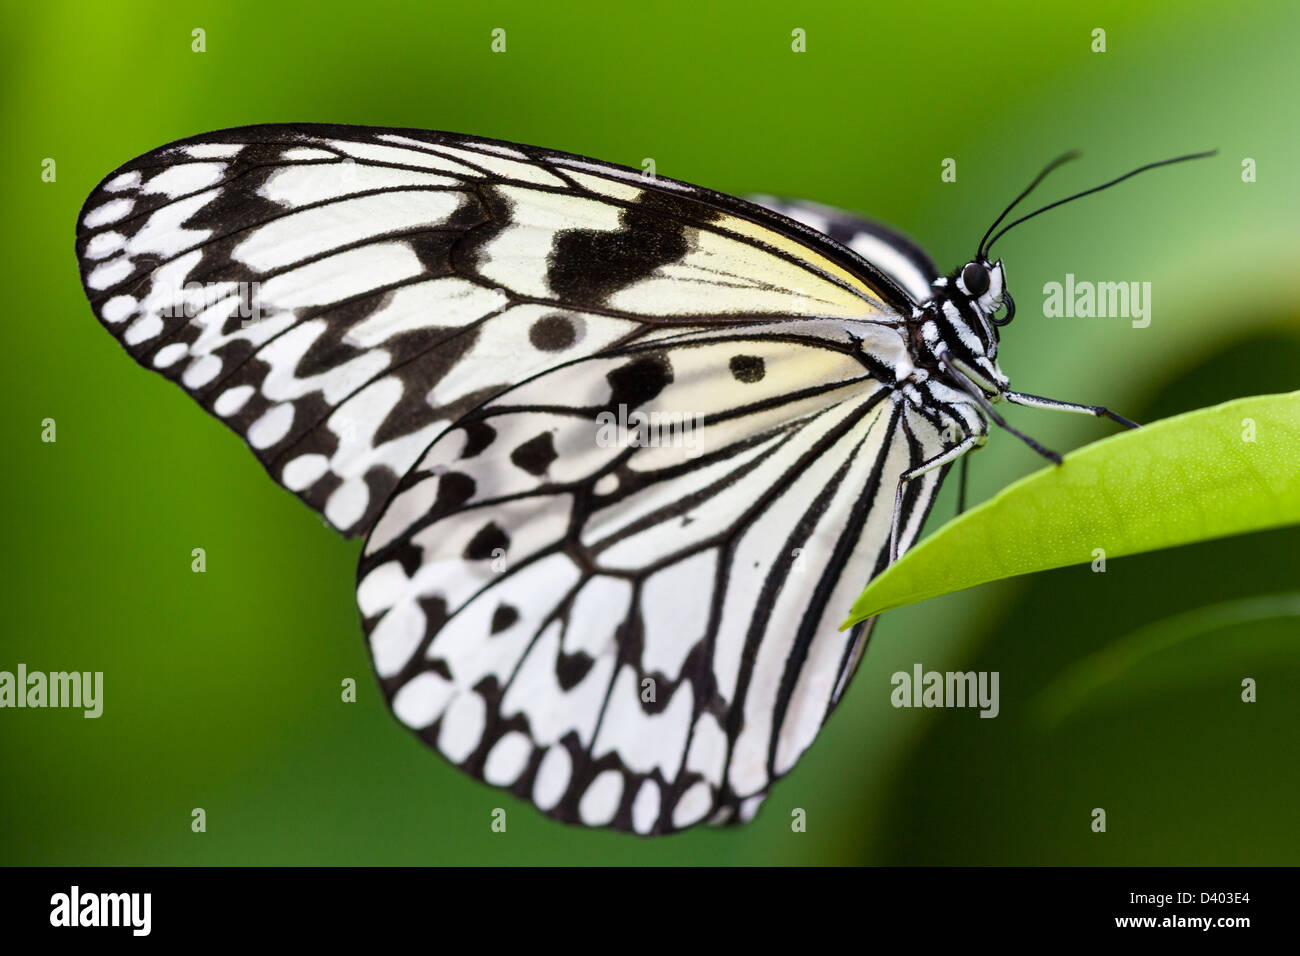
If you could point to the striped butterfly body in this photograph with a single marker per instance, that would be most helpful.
(624, 449)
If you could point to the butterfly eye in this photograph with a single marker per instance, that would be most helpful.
(975, 278)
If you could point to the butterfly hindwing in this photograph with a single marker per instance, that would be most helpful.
(340, 295)
(641, 632)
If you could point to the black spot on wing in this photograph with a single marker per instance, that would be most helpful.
(640, 380)
(503, 617)
(570, 669)
(478, 436)
(553, 333)
(590, 265)
(454, 489)
(488, 539)
(747, 368)
(408, 556)
(535, 455)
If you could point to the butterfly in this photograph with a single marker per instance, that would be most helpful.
(623, 449)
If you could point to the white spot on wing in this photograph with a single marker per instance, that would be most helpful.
(214, 150)
(110, 274)
(104, 244)
(462, 726)
(399, 632)
(272, 426)
(124, 181)
(348, 503)
(304, 471)
(552, 777)
(708, 753)
(118, 308)
(111, 211)
(693, 806)
(170, 354)
(297, 154)
(645, 808)
(599, 804)
(232, 400)
(185, 178)
(749, 808)
(143, 329)
(420, 700)
(507, 759)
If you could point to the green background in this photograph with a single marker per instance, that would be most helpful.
(222, 689)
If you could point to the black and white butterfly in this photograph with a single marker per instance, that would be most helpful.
(427, 336)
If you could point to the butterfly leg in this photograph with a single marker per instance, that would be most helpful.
(961, 483)
(938, 461)
(1038, 401)
(977, 393)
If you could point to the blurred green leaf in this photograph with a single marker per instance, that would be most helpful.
(1069, 691)
(1211, 473)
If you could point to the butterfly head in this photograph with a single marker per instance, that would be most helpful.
(984, 283)
(959, 325)
(957, 331)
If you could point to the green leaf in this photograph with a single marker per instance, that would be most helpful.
(1211, 473)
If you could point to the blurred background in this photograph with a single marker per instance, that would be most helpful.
(222, 690)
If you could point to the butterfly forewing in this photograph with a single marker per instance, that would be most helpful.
(340, 295)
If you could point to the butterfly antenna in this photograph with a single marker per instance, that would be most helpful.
(1096, 189)
(1059, 161)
